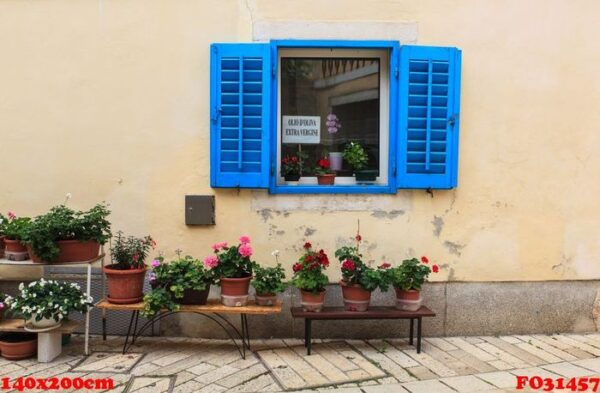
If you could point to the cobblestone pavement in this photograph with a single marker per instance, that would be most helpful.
(450, 364)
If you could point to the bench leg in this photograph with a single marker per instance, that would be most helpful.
(308, 337)
(419, 335)
(49, 346)
(412, 331)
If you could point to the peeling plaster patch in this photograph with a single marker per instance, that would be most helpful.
(565, 265)
(266, 205)
(450, 274)
(387, 214)
(438, 225)
(266, 214)
(280, 233)
(454, 248)
(309, 231)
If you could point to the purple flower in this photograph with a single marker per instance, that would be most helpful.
(151, 277)
(155, 263)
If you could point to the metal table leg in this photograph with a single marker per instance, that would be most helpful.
(129, 331)
(87, 315)
(412, 331)
(245, 330)
(419, 335)
(308, 324)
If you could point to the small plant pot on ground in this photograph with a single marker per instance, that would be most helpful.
(195, 297)
(17, 346)
(266, 299)
(15, 250)
(408, 300)
(124, 286)
(312, 301)
(355, 297)
(326, 180)
(234, 291)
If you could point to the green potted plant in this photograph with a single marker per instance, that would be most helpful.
(291, 168)
(232, 266)
(408, 279)
(45, 303)
(125, 276)
(310, 279)
(67, 235)
(2, 223)
(325, 176)
(181, 281)
(268, 282)
(358, 278)
(357, 158)
(15, 232)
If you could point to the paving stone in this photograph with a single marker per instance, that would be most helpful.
(259, 384)
(467, 383)
(546, 356)
(471, 361)
(471, 349)
(149, 385)
(188, 387)
(395, 388)
(515, 351)
(383, 361)
(577, 344)
(109, 362)
(427, 387)
(550, 340)
(440, 343)
(501, 365)
(500, 379)
(567, 370)
(550, 349)
(242, 376)
(535, 372)
(590, 364)
(512, 361)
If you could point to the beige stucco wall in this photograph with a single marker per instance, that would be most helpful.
(108, 100)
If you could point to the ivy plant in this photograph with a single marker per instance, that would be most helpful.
(269, 280)
(64, 223)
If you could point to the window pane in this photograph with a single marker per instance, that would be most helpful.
(341, 95)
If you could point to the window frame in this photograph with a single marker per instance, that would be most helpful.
(393, 48)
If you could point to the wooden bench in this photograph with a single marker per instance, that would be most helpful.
(339, 313)
(49, 344)
(213, 310)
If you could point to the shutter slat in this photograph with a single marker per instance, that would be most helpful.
(240, 88)
(428, 117)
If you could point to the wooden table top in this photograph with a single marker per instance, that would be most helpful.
(374, 312)
(16, 325)
(29, 262)
(213, 306)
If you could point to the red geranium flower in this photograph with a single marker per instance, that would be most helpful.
(309, 258)
(294, 159)
(307, 245)
(324, 163)
(297, 267)
(314, 266)
(385, 265)
(435, 268)
(349, 265)
(424, 259)
(358, 237)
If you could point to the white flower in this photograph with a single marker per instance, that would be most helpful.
(32, 284)
(275, 253)
(34, 295)
(21, 286)
(60, 316)
(68, 196)
(1, 221)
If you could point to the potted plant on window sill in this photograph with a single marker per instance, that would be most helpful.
(66, 235)
(359, 279)
(291, 168)
(233, 268)
(45, 303)
(125, 277)
(310, 279)
(15, 232)
(268, 282)
(408, 279)
(181, 281)
(325, 176)
(357, 158)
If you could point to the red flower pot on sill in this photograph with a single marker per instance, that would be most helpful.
(326, 180)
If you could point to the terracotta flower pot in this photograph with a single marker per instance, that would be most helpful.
(2, 246)
(326, 180)
(408, 300)
(311, 301)
(17, 346)
(14, 246)
(124, 286)
(192, 296)
(76, 251)
(266, 299)
(355, 297)
(234, 291)
(71, 251)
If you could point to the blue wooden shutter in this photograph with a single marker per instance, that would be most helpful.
(428, 117)
(239, 110)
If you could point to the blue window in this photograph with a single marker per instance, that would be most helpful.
(377, 114)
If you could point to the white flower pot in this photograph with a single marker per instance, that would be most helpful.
(335, 160)
(43, 323)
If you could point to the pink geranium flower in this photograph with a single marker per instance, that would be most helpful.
(155, 263)
(12, 215)
(211, 261)
(218, 246)
(245, 239)
(245, 250)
